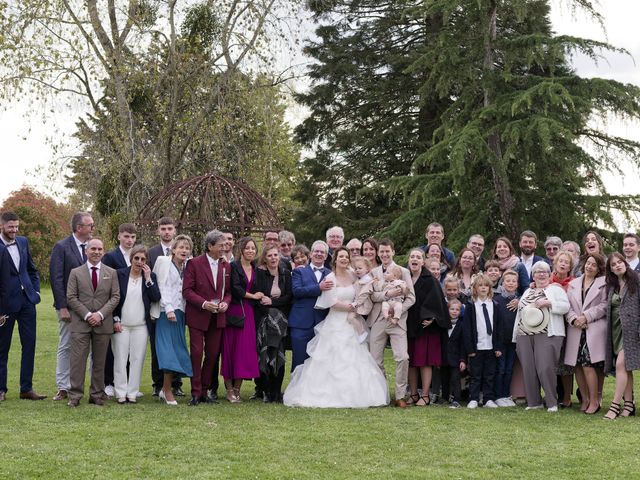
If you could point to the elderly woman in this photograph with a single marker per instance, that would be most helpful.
(171, 343)
(138, 288)
(587, 329)
(623, 333)
(427, 325)
(273, 284)
(539, 333)
(505, 255)
(370, 252)
(552, 246)
(563, 267)
(573, 249)
(239, 355)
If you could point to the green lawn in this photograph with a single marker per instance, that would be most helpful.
(251, 440)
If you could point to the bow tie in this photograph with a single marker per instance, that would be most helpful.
(317, 269)
(10, 244)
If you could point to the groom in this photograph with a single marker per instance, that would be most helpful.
(381, 329)
(307, 283)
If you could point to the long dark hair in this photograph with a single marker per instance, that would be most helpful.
(630, 277)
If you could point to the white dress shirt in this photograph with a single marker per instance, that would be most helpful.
(14, 251)
(485, 342)
(214, 270)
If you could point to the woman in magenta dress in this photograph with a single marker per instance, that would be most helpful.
(239, 354)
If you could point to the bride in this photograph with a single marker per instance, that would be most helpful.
(340, 371)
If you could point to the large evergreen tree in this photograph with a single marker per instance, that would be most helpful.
(512, 146)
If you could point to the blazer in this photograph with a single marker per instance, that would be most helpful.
(470, 329)
(198, 287)
(264, 281)
(153, 254)
(114, 259)
(150, 293)
(429, 303)
(455, 352)
(13, 282)
(377, 297)
(536, 258)
(239, 282)
(594, 308)
(306, 290)
(81, 298)
(64, 258)
(630, 322)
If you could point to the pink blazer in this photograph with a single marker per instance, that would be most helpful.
(595, 309)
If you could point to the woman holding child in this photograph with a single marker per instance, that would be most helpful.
(340, 372)
(427, 323)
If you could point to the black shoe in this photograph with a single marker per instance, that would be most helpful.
(211, 398)
(194, 401)
(257, 396)
(156, 391)
(178, 392)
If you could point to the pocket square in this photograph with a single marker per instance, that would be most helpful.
(106, 277)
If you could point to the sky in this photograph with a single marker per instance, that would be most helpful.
(27, 139)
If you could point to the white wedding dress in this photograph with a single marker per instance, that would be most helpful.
(340, 372)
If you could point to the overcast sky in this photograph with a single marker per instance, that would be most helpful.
(26, 138)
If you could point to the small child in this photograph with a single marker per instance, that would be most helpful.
(300, 256)
(454, 365)
(392, 307)
(507, 300)
(362, 304)
(451, 288)
(433, 265)
(492, 270)
(482, 337)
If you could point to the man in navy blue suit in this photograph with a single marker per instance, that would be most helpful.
(118, 258)
(307, 284)
(67, 254)
(19, 295)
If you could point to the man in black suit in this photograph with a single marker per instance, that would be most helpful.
(118, 258)
(166, 232)
(528, 244)
(67, 254)
(19, 294)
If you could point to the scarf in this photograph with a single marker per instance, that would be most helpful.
(508, 263)
(564, 283)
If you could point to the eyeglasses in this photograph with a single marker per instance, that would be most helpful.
(552, 248)
(541, 272)
(90, 225)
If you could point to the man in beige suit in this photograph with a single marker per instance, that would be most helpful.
(382, 329)
(92, 295)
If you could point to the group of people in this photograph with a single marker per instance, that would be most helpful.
(449, 320)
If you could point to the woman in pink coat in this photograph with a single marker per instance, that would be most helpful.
(587, 329)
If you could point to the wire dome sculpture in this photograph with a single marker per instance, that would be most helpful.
(210, 201)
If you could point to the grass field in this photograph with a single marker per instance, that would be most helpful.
(251, 440)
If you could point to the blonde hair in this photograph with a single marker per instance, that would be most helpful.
(511, 272)
(451, 279)
(564, 253)
(479, 280)
(364, 260)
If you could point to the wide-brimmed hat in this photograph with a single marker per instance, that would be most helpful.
(534, 320)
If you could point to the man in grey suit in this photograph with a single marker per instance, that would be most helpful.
(381, 329)
(92, 295)
(67, 254)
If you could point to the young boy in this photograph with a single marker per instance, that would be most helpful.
(507, 300)
(455, 364)
(492, 270)
(482, 338)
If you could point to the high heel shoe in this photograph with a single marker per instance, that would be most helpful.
(162, 396)
(614, 409)
(231, 397)
(594, 412)
(629, 408)
(236, 393)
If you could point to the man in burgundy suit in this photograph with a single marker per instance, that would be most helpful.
(207, 291)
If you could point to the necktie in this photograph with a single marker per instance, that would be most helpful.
(83, 247)
(167, 252)
(487, 322)
(94, 277)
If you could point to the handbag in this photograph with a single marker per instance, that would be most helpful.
(236, 321)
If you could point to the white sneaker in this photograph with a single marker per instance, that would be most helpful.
(139, 395)
(508, 402)
(490, 404)
(109, 391)
(472, 404)
(501, 402)
(535, 407)
(552, 409)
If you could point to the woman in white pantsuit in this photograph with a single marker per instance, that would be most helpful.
(138, 288)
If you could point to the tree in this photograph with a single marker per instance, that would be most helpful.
(508, 143)
(154, 86)
(42, 220)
